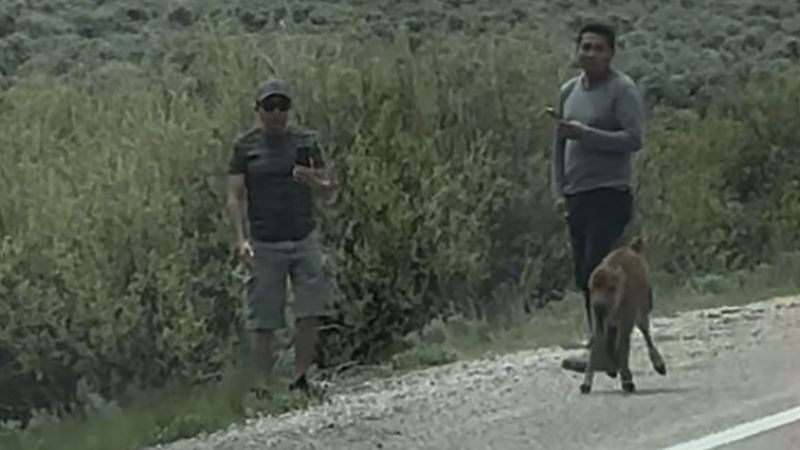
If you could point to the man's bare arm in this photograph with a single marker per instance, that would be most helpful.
(236, 204)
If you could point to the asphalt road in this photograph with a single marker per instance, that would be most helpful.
(722, 372)
(785, 437)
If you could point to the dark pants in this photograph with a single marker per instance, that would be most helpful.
(597, 220)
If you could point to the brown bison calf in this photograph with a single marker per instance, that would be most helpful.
(621, 296)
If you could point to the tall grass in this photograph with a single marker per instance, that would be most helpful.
(115, 263)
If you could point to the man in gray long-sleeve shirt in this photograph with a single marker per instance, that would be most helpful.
(600, 126)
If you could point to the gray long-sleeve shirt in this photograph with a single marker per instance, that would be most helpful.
(614, 113)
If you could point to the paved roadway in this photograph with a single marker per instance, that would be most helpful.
(785, 437)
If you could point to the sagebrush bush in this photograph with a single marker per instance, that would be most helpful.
(115, 263)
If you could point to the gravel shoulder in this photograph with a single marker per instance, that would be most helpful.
(726, 365)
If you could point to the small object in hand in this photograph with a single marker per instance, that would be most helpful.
(550, 111)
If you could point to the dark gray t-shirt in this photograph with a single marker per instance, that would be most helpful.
(278, 207)
(601, 157)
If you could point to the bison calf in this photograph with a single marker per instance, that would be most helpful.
(621, 296)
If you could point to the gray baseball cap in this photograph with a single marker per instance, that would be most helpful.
(270, 87)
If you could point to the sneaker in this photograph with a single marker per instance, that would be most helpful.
(578, 364)
(575, 363)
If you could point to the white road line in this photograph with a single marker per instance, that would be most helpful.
(741, 431)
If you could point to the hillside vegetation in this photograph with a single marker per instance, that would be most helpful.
(680, 51)
(116, 122)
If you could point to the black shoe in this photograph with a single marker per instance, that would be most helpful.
(301, 383)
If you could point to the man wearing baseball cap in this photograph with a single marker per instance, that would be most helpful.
(274, 170)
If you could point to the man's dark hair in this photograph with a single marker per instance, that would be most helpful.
(599, 28)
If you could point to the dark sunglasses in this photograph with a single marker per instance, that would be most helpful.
(272, 104)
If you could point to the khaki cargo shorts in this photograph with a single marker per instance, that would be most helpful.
(274, 262)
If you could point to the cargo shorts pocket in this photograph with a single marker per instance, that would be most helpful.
(311, 288)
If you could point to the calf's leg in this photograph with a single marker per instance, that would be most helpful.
(655, 356)
(623, 356)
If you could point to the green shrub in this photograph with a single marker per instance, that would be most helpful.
(113, 266)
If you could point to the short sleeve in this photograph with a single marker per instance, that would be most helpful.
(237, 163)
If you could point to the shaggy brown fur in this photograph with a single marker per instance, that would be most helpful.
(621, 297)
